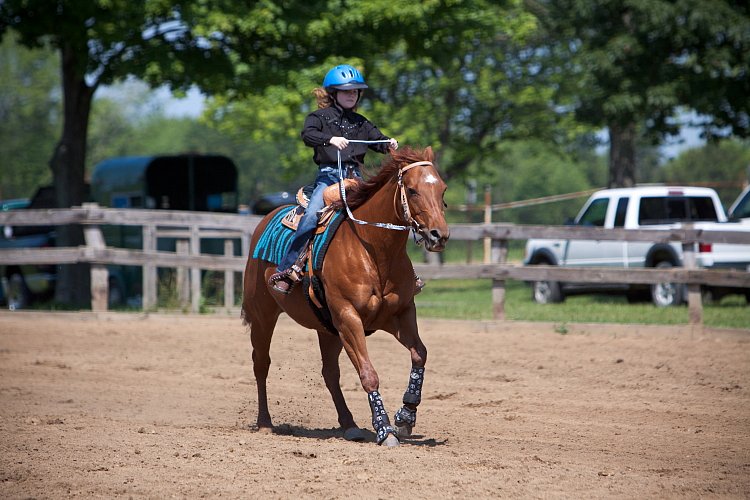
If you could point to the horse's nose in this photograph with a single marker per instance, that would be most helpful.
(440, 236)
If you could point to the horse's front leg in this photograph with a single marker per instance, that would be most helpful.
(406, 417)
(353, 338)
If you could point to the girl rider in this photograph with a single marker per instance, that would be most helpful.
(328, 130)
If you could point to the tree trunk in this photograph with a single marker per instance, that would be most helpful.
(68, 168)
(622, 162)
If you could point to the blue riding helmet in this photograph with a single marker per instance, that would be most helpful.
(344, 77)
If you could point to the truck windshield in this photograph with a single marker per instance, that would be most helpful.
(595, 213)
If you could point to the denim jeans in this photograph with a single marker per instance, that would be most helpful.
(327, 175)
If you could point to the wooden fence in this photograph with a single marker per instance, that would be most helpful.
(190, 227)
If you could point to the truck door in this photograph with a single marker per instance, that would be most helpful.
(598, 253)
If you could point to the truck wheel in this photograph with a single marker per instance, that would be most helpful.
(18, 294)
(667, 294)
(547, 292)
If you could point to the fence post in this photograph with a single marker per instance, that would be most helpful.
(99, 273)
(149, 270)
(183, 279)
(246, 235)
(499, 256)
(228, 276)
(195, 272)
(695, 304)
(487, 220)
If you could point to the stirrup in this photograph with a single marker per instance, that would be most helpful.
(278, 280)
(290, 277)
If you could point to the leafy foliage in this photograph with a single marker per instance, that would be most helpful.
(631, 65)
(455, 75)
(29, 117)
(725, 165)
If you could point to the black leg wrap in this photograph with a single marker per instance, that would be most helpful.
(413, 394)
(405, 417)
(380, 421)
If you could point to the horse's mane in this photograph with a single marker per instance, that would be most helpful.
(363, 190)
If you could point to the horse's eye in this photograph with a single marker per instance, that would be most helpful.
(412, 191)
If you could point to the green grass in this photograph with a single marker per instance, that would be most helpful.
(472, 299)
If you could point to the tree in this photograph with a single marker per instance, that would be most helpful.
(725, 165)
(458, 52)
(457, 75)
(630, 66)
(536, 168)
(29, 117)
(99, 42)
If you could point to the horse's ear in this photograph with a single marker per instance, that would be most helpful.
(428, 154)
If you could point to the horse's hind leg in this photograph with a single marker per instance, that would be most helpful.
(330, 350)
(260, 337)
(262, 325)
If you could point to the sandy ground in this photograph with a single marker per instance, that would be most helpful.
(138, 406)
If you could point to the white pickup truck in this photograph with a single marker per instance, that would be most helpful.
(642, 207)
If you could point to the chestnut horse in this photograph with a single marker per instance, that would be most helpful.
(368, 281)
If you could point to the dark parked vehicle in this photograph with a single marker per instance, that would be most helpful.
(23, 284)
(177, 182)
(269, 202)
(194, 182)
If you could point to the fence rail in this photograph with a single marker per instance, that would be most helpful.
(188, 228)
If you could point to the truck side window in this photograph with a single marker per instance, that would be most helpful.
(595, 213)
(652, 211)
(671, 209)
(661, 210)
(676, 209)
(702, 209)
(622, 208)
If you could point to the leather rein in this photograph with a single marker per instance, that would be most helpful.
(412, 224)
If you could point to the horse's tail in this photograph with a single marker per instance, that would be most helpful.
(245, 318)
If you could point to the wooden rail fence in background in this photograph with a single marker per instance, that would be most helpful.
(188, 228)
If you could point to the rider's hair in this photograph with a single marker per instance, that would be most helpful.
(326, 99)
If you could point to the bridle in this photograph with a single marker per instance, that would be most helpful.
(411, 222)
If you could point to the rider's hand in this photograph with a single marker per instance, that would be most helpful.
(393, 144)
(340, 142)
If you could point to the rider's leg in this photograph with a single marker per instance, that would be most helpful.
(281, 281)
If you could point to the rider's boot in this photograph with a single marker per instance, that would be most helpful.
(418, 284)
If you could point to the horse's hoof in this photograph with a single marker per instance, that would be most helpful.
(354, 434)
(403, 430)
(265, 430)
(391, 441)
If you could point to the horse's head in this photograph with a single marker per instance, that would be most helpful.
(422, 191)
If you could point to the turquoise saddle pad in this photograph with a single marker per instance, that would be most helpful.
(277, 238)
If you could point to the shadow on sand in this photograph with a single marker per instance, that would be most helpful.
(338, 433)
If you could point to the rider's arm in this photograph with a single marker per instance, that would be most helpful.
(312, 132)
(374, 134)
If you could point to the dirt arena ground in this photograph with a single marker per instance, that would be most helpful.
(139, 406)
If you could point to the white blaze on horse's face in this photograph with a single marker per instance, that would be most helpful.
(430, 179)
(428, 209)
